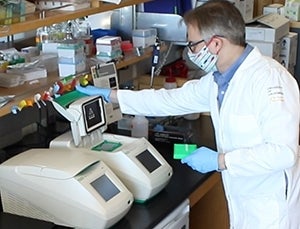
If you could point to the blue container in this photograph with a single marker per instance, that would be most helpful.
(103, 32)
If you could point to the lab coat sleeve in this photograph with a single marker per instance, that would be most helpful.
(192, 97)
(276, 107)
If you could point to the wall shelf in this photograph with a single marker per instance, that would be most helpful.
(33, 20)
(27, 90)
(295, 24)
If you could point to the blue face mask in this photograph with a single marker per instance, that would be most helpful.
(204, 59)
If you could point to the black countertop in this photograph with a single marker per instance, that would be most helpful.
(183, 182)
(142, 216)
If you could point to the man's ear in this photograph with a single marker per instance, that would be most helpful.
(216, 45)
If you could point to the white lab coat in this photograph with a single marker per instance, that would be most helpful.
(257, 128)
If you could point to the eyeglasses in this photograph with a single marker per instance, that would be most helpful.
(191, 45)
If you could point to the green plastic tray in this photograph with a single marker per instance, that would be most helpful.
(66, 99)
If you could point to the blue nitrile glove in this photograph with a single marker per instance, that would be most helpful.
(92, 90)
(202, 159)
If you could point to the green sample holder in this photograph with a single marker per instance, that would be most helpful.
(183, 150)
(66, 99)
(107, 146)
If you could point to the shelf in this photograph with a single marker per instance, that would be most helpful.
(295, 24)
(33, 21)
(27, 90)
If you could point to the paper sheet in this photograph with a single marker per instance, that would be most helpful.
(5, 99)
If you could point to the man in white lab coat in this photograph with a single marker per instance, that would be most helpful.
(254, 105)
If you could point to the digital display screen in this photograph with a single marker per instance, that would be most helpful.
(112, 82)
(93, 114)
(148, 160)
(105, 187)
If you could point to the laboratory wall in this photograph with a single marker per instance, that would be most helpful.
(128, 21)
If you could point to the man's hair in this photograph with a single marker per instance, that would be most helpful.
(218, 18)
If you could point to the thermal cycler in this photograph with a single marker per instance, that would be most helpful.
(66, 187)
(134, 160)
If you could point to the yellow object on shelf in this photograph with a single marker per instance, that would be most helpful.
(3, 66)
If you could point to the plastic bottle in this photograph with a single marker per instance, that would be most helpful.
(83, 27)
(69, 31)
(139, 126)
(170, 82)
(83, 32)
(42, 36)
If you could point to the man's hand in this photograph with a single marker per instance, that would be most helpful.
(92, 90)
(202, 159)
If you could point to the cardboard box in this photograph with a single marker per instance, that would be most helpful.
(50, 48)
(70, 54)
(259, 5)
(274, 8)
(109, 40)
(246, 7)
(268, 28)
(108, 48)
(69, 50)
(292, 11)
(271, 49)
(28, 74)
(279, 1)
(71, 59)
(71, 69)
(288, 50)
(109, 56)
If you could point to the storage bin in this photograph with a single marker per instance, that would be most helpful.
(64, 5)
(12, 12)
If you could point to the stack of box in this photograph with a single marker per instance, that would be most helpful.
(144, 37)
(259, 5)
(288, 51)
(108, 48)
(246, 8)
(71, 59)
(292, 9)
(274, 8)
(266, 34)
(29, 73)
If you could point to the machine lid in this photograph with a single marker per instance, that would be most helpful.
(52, 163)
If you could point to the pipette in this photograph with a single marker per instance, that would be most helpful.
(155, 59)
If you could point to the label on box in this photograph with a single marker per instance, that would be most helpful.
(268, 28)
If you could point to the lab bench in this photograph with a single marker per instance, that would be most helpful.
(204, 191)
